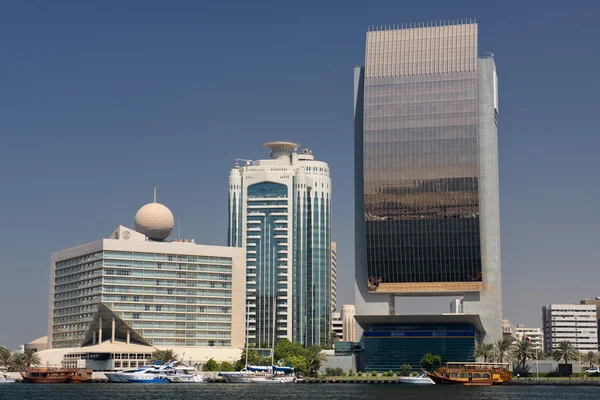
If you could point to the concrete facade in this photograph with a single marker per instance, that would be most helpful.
(177, 294)
(575, 323)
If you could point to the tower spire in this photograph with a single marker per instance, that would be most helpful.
(155, 193)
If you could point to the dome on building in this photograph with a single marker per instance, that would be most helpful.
(154, 221)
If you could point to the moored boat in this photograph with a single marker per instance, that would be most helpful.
(416, 380)
(5, 378)
(56, 375)
(471, 374)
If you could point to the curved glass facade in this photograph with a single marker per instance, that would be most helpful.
(266, 238)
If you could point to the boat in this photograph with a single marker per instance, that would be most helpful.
(416, 380)
(5, 378)
(471, 374)
(56, 375)
(173, 372)
(121, 376)
(248, 374)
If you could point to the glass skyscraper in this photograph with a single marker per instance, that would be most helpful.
(280, 211)
(426, 116)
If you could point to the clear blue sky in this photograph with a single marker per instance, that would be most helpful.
(101, 100)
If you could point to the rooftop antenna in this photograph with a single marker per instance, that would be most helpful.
(155, 193)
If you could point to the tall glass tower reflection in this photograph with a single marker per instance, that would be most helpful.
(427, 170)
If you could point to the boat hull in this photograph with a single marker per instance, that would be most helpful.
(416, 381)
(441, 380)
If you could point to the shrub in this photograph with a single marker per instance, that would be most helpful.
(359, 373)
(374, 373)
(390, 373)
(415, 374)
(350, 372)
(405, 369)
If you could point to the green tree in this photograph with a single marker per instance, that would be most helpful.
(405, 369)
(253, 358)
(265, 345)
(164, 356)
(5, 357)
(591, 357)
(565, 351)
(540, 355)
(18, 362)
(285, 349)
(314, 358)
(299, 363)
(485, 351)
(32, 358)
(523, 351)
(225, 366)
(431, 362)
(501, 351)
(211, 365)
(374, 373)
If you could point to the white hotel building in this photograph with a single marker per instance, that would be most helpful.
(575, 323)
(280, 212)
(134, 292)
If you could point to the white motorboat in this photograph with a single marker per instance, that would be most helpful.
(416, 380)
(5, 378)
(123, 376)
(184, 374)
(173, 372)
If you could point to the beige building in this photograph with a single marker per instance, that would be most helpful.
(534, 335)
(343, 324)
(135, 288)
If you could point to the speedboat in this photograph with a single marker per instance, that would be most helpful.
(416, 380)
(5, 378)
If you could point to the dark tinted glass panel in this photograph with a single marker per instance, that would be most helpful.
(421, 178)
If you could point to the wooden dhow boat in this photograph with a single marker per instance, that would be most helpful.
(471, 374)
(56, 375)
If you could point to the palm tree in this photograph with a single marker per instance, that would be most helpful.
(523, 351)
(501, 353)
(565, 351)
(540, 355)
(5, 357)
(485, 351)
(164, 356)
(591, 357)
(31, 358)
(18, 362)
(314, 358)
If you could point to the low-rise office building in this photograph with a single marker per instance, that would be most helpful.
(575, 323)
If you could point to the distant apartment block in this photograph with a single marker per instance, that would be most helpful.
(595, 301)
(533, 335)
(575, 323)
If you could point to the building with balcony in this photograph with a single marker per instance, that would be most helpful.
(575, 323)
(280, 212)
(137, 288)
(533, 335)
